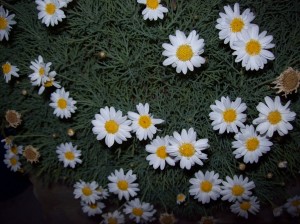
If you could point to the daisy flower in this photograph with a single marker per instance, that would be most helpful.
(292, 205)
(122, 184)
(205, 186)
(12, 162)
(92, 208)
(242, 208)
(62, 103)
(50, 11)
(51, 82)
(273, 116)
(6, 21)
(180, 198)
(153, 9)
(40, 71)
(159, 155)
(237, 188)
(9, 70)
(227, 115)
(187, 149)
(103, 192)
(113, 218)
(232, 23)
(14, 150)
(8, 142)
(111, 125)
(31, 154)
(139, 211)
(184, 52)
(68, 154)
(143, 123)
(86, 191)
(252, 48)
(250, 145)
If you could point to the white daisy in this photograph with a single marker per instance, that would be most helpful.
(62, 103)
(187, 149)
(205, 186)
(292, 205)
(250, 145)
(237, 188)
(159, 155)
(252, 48)
(113, 218)
(122, 184)
(50, 11)
(92, 208)
(8, 142)
(138, 211)
(41, 71)
(51, 82)
(180, 198)
(12, 162)
(232, 23)
(241, 208)
(68, 154)
(86, 191)
(227, 115)
(153, 9)
(6, 21)
(112, 126)
(273, 116)
(14, 150)
(103, 192)
(184, 52)
(143, 123)
(9, 70)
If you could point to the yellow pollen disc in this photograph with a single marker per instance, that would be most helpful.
(112, 220)
(111, 126)
(62, 103)
(236, 25)
(122, 185)
(245, 205)
(229, 115)
(145, 121)
(14, 149)
(87, 191)
(48, 83)
(152, 4)
(253, 47)
(187, 150)
(252, 144)
(274, 117)
(3, 23)
(6, 68)
(184, 52)
(41, 71)
(237, 190)
(69, 155)
(13, 161)
(295, 203)
(206, 186)
(50, 8)
(180, 197)
(137, 211)
(93, 206)
(161, 152)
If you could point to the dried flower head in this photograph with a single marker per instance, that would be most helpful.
(31, 154)
(13, 118)
(242, 166)
(71, 132)
(288, 81)
(207, 220)
(167, 218)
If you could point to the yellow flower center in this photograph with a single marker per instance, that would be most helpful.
(253, 47)
(229, 115)
(70, 155)
(161, 152)
(184, 52)
(295, 203)
(6, 68)
(152, 4)
(13, 161)
(252, 144)
(180, 197)
(236, 25)
(145, 121)
(50, 8)
(245, 205)
(14, 149)
(206, 186)
(274, 117)
(122, 185)
(93, 206)
(137, 211)
(41, 71)
(3, 23)
(48, 83)
(111, 126)
(237, 190)
(62, 103)
(87, 191)
(187, 150)
(112, 220)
